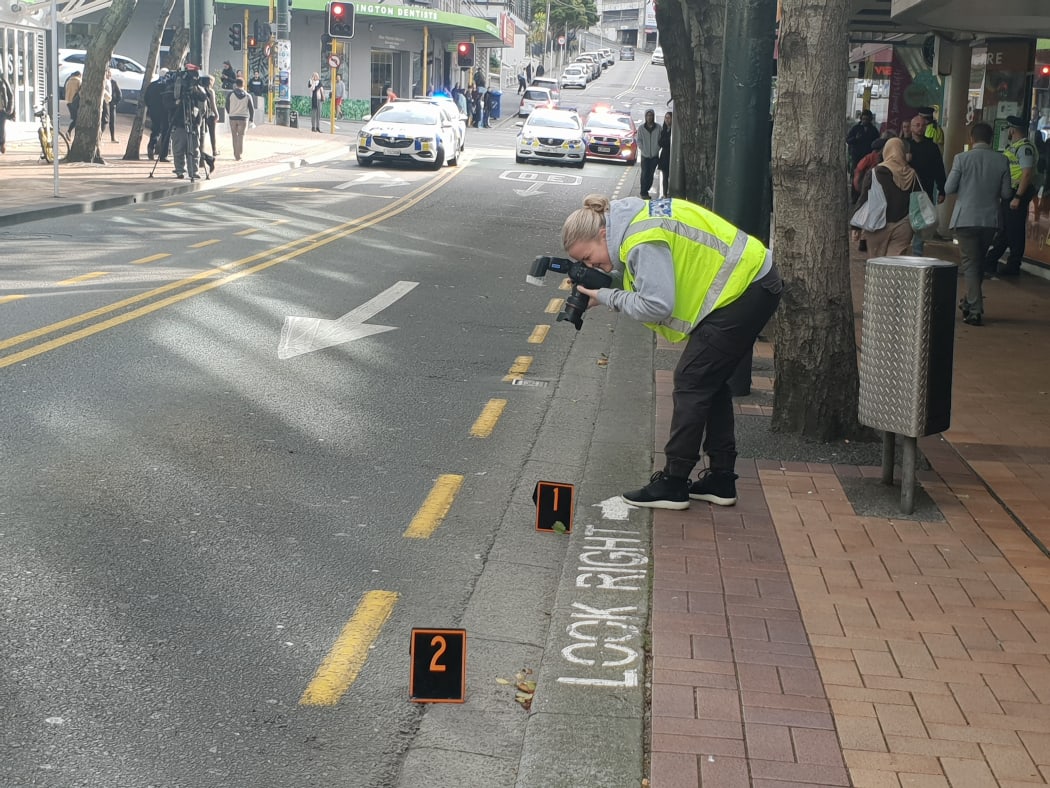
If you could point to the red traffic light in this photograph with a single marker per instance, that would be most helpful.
(465, 54)
(341, 20)
(1045, 71)
(338, 11)
(464, 49)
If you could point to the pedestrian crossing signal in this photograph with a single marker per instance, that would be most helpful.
(341, 20)
(251, 42)
(465, 54)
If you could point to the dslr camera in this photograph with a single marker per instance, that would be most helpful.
(579, 274)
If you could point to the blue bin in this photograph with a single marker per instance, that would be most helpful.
(497, 97)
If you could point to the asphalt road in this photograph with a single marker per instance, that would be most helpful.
(222, 510)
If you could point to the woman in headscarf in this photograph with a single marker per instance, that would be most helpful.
(897, 180)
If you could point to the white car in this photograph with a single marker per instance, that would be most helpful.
(408, 130)
(458, 119)
(551, 135)
(534, 98)
(658, 56)
(126, 71)
(550, 84)
(574, 77)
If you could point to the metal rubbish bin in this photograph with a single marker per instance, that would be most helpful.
(906, 356)
(293, 119)
(497, 98)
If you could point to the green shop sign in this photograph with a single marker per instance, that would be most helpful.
(428, 15)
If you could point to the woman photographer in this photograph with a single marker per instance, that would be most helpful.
(688, 274)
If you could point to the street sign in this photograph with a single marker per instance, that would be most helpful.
(334, 61)
(438, 668)
(561, 41)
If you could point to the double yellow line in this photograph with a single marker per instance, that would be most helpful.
(184, 289)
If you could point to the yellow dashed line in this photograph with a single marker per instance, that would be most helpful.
(346, 658)
(486, 422)
(206, 197)
(518, 368)
(435, 507)
(9, 298)
(539, 333)
(202, 244)
(249, 231)
(82, 278)
(151, 259)
(554, 306)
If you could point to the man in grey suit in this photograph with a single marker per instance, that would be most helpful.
(981, 178)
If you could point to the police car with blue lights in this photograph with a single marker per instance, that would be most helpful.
(407, 131)
(551, 136)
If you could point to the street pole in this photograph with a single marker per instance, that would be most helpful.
(196, 25)
(54, 91)
(546, 33)
(742, 156)
(282, 112)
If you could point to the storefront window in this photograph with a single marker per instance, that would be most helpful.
(23, 52)
(382, 76)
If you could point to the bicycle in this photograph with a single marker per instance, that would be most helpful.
(46, 135)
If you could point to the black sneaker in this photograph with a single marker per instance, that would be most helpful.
(973, 319)
(662, 492)
(717, 487)
(964, 308)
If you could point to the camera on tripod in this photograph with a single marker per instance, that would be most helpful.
(579, 274)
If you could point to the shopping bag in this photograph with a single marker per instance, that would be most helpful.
(872, 214)
(921, 212)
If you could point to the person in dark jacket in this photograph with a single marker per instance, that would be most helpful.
(926, 159)
(664, 165)
(860, 137)
(159, 122)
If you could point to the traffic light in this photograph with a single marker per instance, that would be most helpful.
(236, 37)
(465, 54)
(341, 20)
(251, 42)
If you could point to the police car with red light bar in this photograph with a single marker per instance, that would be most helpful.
(611, 135)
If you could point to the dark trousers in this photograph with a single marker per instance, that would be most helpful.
(973, 246)
(648, 170)
(1011, 235)
(703, 403)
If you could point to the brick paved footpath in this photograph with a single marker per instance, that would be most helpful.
(797, 643)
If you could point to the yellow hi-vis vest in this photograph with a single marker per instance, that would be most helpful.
(1015, 163)
(714, 262)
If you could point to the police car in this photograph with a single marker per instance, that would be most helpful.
(551, 136)
(406, 131)
(611, 135)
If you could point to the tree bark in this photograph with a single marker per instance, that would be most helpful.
(815, 356)
(99, 52)
(691, 33)
(131, 152)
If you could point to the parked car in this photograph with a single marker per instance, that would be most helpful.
(626, 53)
(658, 56)
(575, 76)
(592, 62)
(602, 62)
(607, 53)
(126, 71)
(408, 130)
(534, 98)
(611, 135)
(451, 109)
(551, 135)
(551, 84)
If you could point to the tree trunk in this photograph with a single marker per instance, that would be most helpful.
(89, 117)
(815, 347)
(180, 46)
(131, 152)
(691, 33)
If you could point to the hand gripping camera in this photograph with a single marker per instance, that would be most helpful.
(579, 274)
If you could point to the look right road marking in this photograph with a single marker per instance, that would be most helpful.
(346, 658)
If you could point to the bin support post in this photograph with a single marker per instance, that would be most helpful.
(888, 451)
(908, 475)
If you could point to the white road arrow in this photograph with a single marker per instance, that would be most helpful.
(305, 334)
(533, 189)
(615, 508)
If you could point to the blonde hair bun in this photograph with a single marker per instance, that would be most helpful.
(598, 203)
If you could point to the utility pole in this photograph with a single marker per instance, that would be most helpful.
(743, 152)
(196, 25)
(282, 111)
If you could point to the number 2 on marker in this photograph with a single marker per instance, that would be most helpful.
(435, 666)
